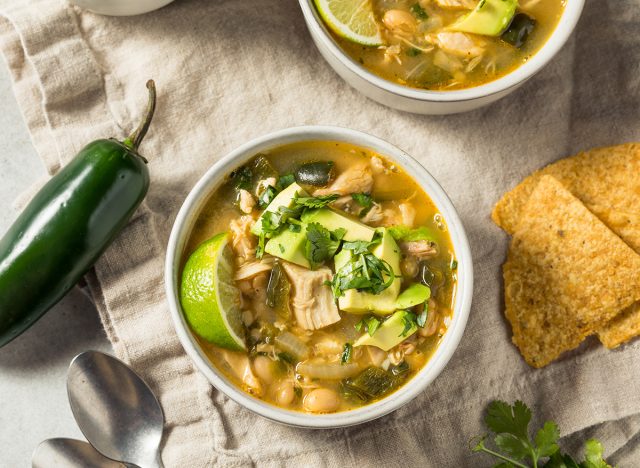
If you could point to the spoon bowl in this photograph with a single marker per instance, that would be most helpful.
(115, 409)
(70, 453)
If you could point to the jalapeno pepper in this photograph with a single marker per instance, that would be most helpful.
(68, 225)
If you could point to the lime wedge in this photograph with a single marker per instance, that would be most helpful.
(209, 297)
(351, 19)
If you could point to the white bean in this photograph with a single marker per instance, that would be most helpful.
(285, 394)
(321, 400)
(264, 369)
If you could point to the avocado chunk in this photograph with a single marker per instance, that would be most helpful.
(390, 332)
(357, 302)
(284, 198)
(333, 220)
(489, 18)
(289, 246)
(414, 295)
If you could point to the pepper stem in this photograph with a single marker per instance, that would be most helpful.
(134, 140)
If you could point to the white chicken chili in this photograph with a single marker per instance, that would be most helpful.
(319, 277)
(454, 44)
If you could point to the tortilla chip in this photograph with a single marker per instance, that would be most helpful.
(605, 179)
(622, 328)
(566, 274)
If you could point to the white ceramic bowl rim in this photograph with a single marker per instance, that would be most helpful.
(558, 38)
(198, 197)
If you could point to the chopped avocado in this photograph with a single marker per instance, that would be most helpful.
(289, 246)
(489, 18)
(284, 198)
(390, 333)
(333, 220)
(412, 296)
(357, 302)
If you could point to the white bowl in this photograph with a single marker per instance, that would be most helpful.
(121, 7)
(422, 101)
(214, 177)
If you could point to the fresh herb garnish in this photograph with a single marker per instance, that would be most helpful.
(364, 200)
(321, 244)
(370, 324)
(260, 247)
(413, 52)
(346, 353)
(516, 449)
(285, 181)
(267, 196)
(418, 11)
(294, 227)
(409, 320)
(421, 320)
(364, 272)
(315, 202)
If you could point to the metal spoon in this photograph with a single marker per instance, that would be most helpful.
(115, 409)
(69, 453)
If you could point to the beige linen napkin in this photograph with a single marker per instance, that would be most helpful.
(231, 70)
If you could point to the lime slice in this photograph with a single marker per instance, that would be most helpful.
(351, 19)
(209, 297)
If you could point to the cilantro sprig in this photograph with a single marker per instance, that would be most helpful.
(321, 244)
(314, 202)
(515, 448)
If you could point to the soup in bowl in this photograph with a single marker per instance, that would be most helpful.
(439, 56)
(311, 277)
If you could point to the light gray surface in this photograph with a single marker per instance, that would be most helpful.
(33, 368)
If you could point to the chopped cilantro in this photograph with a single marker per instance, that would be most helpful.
(409, 320)
(294, 227)
(242, 178)
(267, 196)
(260, 248)
(315, 202)
(321, 244)
(364, 272)
(413, 52)
(281, 247)
(364, 200)
(285, 181)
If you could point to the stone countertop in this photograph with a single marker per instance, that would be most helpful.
(33, 367)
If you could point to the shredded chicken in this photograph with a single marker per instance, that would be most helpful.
(378, 166)
(374, 216)
(241, 367)
(407, 213)
(312, 301)
(376, 355)
(247, 203)
(422, 249)
(356, 179)
(456, 4)
(457, 43)
(243, 242)
(253, 268)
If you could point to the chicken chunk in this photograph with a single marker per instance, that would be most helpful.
(247, 203)
(457, 43)
(420, 249)
(357, 179)
(240, 365)
(312, 301)
(243, 242)
(456, 4)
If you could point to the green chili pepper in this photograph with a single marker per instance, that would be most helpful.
(68, 225)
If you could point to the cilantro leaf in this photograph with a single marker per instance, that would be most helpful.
(419, 12)
(285, 181)
(409, 320)
(503, 418)
(593, 455)
(267, 196)
(320, 244)
(510, 423)
(547, 438)
(364, 200)
(315, 202)
(372, 325)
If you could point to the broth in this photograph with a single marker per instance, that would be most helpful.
(426, 55)
(277, 375)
